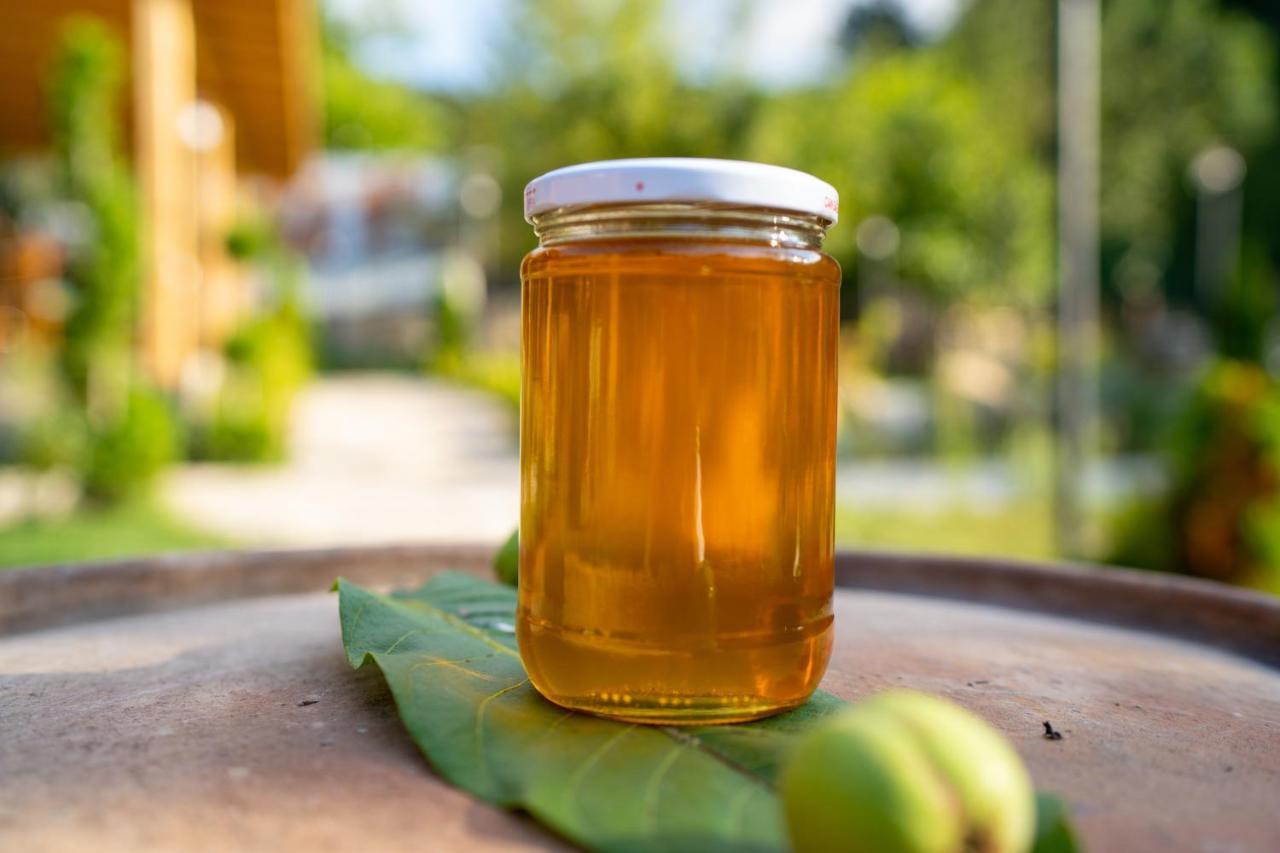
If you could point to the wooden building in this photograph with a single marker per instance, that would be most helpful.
(220, 89)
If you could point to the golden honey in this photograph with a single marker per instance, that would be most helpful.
(677, 458)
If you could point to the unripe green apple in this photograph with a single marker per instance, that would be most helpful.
(905, 772)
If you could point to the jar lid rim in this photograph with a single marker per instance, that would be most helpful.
(686, 179)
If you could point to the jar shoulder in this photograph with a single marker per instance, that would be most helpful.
(677, 253)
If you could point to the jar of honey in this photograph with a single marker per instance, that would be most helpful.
(677, 439)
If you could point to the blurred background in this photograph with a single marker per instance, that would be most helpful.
(259, 260)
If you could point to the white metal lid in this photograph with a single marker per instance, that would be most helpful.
(686, 179)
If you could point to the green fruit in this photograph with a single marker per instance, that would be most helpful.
(982, 768)
(905, 772)
(507, 563)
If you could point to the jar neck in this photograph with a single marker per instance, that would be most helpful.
(687, 221)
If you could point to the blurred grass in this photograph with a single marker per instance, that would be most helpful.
(1023, 530)
(142, 528)
(132, 529)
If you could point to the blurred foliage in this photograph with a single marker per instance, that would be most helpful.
(1215, 85)
(452, 335)
(84, 108)
(126, 453)
(1243, 319)
(57, 439)
(115, 459)
(1177, 77)
(457, 311)
(953, 141)
(582, 81)
(877, 25)
(113, 432)
(251, 239)
(495, 373)
(1221, 517)
(361, 112)
(107, 426)
(267, 361)
(1139, 406)
(972, 207)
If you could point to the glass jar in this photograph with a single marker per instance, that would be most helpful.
(677, 439)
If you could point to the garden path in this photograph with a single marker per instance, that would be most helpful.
(375, 457)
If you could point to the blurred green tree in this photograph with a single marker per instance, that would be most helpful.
(1177, 76)
(84, 108)
(361, 112)
(267, 359)
(1185, 75)
(116, 434)
(878, 25)
(905, 136)
(581, 81)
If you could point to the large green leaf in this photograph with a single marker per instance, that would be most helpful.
(448, 653)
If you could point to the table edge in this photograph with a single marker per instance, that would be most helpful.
(1241, 621)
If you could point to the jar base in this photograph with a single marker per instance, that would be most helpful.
(686, 711)
(669, 683)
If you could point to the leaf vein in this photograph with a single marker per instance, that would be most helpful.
(429, 661)
(479, 724)
(652, 789)
(402, 638)
(580, 774)
(692, 741)
(735, 806)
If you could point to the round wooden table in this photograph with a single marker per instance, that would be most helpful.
(202, 702)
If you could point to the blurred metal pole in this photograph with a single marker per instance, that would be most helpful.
(1218, 175)
(1079, 29)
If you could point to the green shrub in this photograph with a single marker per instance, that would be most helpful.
(124, 455)
(85, 87)
(237, 434)
(497, 374)
(112, 432)
(58, 439)
(114, 459)
(268, 361)
(1221, 516)
(452, 337)
(251, 239)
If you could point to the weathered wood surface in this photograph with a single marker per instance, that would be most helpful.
(203, 702)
